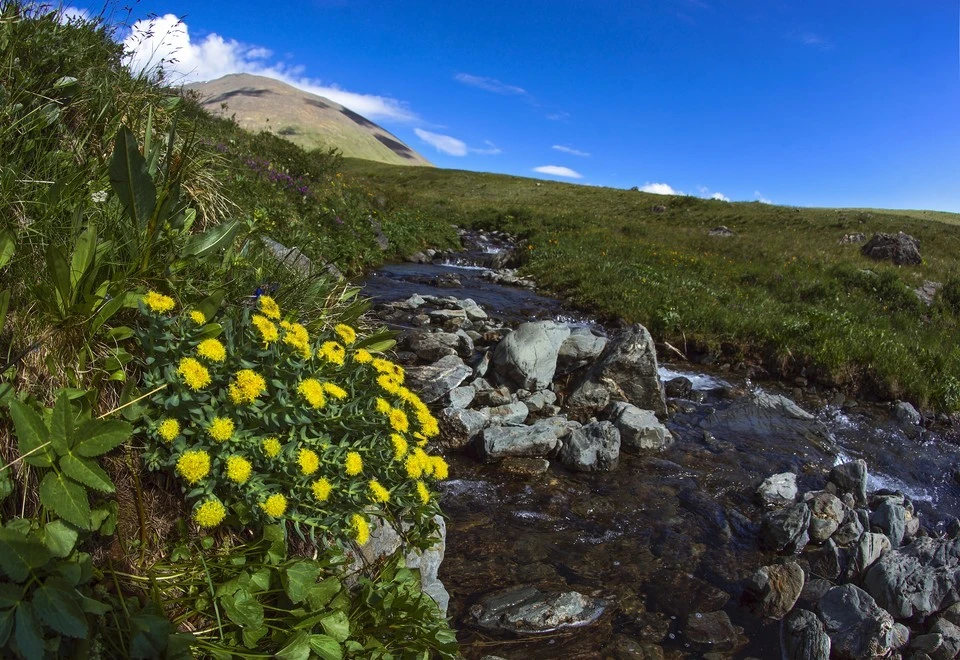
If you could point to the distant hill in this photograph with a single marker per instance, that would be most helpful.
(310, 121)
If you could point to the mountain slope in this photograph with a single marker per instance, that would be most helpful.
(310, 121)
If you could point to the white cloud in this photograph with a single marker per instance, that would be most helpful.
(761, 198)
(490, 150)
(659, 189)
(720, 196)
(571, 151)
(68, 14)
(557, 170)
(489, 84)
(164, 42)
(811, 40)
(443, 143)
(558, 116)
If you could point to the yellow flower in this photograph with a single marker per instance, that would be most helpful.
(269, 307)
(312, 392)
(347, 334)
(247, 386)
(168, 429)
(389, 368)
(362, 356)
(389, 384)
(353, 464)
(238, 469)
(383, 407)
(321, 489)
(221, 428)
(423, 492)
(377, 492)
(193, 466)
(440, 468)
(210, 514)
(335, 391)
(194, 374)
(361, 528)
(198, 317)
(413, 466)
(268, 331)
(399, 446)
(398, 420)
(428, 423)
(421, 439)
(296, 335)
(158, 302)
(411, 398)
(271, 447)
(212, 349)
(308, 460)
(333, 352)
(426, 465)
(275, 506)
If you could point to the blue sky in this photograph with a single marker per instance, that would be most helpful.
(805, 103)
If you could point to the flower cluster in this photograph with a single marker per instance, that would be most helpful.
(263, 420)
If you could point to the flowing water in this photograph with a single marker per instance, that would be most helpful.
(664, 535)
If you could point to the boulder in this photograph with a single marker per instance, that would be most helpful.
(762, 415)
(826, 561)
(900, 248)
(511, 414)
(891, 519)
(857, 626)
(679, 387)
(531, 441)
(805, 638)
(461, 425)
(850, 530)
(827, 513)
(949, 640)
(526, 609)
(866, 552)
(435, 380)
(785, 530)
(778, 489)
(579, 349)
(432, 346)
(591, 448)
(538, 401)
(917, 580)
(773, 590)
(851, 478)
(462, 397)
(640, 430)
(528, 355)
(625, 371)
(905, 413)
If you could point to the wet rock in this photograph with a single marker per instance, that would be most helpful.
(890, 519)
(511, 414)
(625, 648)
(578, 350)
(900, 248)
(526, 609)
(461, 425)
(805, 638)
(529, 441)
(712, 631)
(850, 529)
(462, 397)
(762, 415)
(857, 626)
(826, 562)
(525, 467)
(950, 636)
(679, 594)
(826, 515)
(640, 430)
(917, 580)
(785, 530)
(435, 380)
(905, 413)
(773, 590)
(625, 371)
(778, 489)
(851, 478)
(866, 552)
(528, 355)
(679, 387)
(591, 448)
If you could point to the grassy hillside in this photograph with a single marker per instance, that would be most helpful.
(783, 291)
(936, 216)
(258, 103)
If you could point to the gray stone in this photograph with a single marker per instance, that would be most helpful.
(778, 489)
(525, 467)
(917, 580)
(805, 638)
(950, 636)
(292, 258)
(927, 292)
(890, 519)
(473, 310)
(900, 248)
(764, 416)
(901, 636)
(511, 414)
(640, 430)
(929, 644)
(593, 447)
(905, 413)
(538, 401)
(857, 626)
(679, 387)
(721, 232)
(579, 349)
(528, 355)
(825, 561)
(448, 314)
(493, 397)
(532, 441)
(867, 551)
(526, 609)
(435, 380)
(851, 478)
(431, 346)
(773, 590)
(461, 425)
(462, 397)
(850, 529)
(712, 631)
(785, 530)
(826, 515)
(625, 371)
(466, 347)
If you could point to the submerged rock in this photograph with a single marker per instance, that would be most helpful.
(762, 415)
(526, 610)
(713, 631)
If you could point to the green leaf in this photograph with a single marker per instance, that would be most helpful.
(243, 609)
(95, 607)
(261, 579)
(131, 180)
(322, 593)
(4, 306)
(61, 425)
(97, 437)
(19, 554)
(8, 246)
(82, 258)
(59, 274)
(59, 538)
(87, 472)
(253, 635)
(56, 604)
(151, 632)
(326, 647)
(32, 433)
(10, 596)
(199, 245)
(297, 648)
(104, 314)
(298, 578)
(66, 498)
(28, 633)
(6, 626)
(119, 333)
(337, 626)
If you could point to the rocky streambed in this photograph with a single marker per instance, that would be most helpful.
(604, 504)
